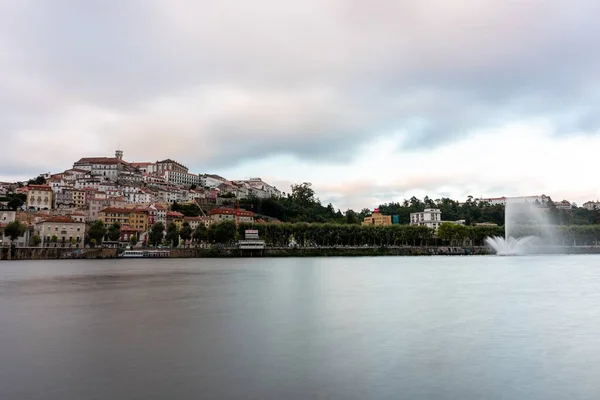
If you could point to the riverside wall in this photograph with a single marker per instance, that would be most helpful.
(39, 253)
(51, 253)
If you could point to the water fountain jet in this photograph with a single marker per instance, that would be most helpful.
(519, 241)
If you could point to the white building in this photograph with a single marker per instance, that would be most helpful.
(541, 199)
(591, 205)
(68, 232)
(563, 205)
(39, 197)
(430, 217)
(109, 168)
(181, 178)
(259, 185)
(212, 180)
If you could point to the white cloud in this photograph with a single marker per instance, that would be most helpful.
(371, 99)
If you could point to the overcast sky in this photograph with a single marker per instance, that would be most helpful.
(371, 101)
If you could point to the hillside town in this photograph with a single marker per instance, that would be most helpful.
(60, 209)
(136, 195)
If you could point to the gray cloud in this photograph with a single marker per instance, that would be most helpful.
(214, 83)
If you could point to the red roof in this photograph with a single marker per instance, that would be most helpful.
(174, 214)
(117, 210)
(62, 219)
(39, 187)
(127, 228)
(100, 160)
(231, 211)
(197, 218)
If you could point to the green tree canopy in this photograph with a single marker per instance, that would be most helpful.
(97, 231)
(14, 230)
(156, 233)
(186, 231)
(172, 235)
(114, 232)
(222, 232)
(200, 233)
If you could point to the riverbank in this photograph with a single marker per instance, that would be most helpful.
(38, 253)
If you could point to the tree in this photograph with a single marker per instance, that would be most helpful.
(156, 233)
(351, 217)
(223, 232)
(54, 239)
(97, 232)
(40, 180)
(303, 194)
(200, 233)
(133, 241)
(114, 232)
(172, 236)
(35, 240)
(186, 232)
(15, 203)
(14, 230)
(93, 242)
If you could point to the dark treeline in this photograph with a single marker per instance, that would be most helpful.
(330, 234)
(301, 205)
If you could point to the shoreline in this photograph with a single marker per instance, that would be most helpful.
(53, 253)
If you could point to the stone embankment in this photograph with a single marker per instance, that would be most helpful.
(38, 253)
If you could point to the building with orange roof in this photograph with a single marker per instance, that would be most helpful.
(230, 214)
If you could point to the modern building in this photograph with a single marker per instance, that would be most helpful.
(430, 217)
(68, 232)
(39, 197)
(377, 218)
(181, 178)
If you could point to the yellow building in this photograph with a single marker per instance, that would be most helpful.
(79, 198)
(377, 219)
(134, 218)
(138, 220)
(110, 215)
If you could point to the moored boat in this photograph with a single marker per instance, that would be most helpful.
(145, 254)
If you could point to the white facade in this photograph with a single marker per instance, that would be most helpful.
(67, 231)
(591, 205)
(39, 197)
(542, 199)
(181, 179)
(212, 181)
(430, 217)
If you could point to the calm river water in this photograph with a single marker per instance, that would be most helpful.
(319, 328)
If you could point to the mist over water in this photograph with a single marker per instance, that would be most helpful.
(528, 229)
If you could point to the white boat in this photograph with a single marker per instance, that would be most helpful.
(145, 254)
